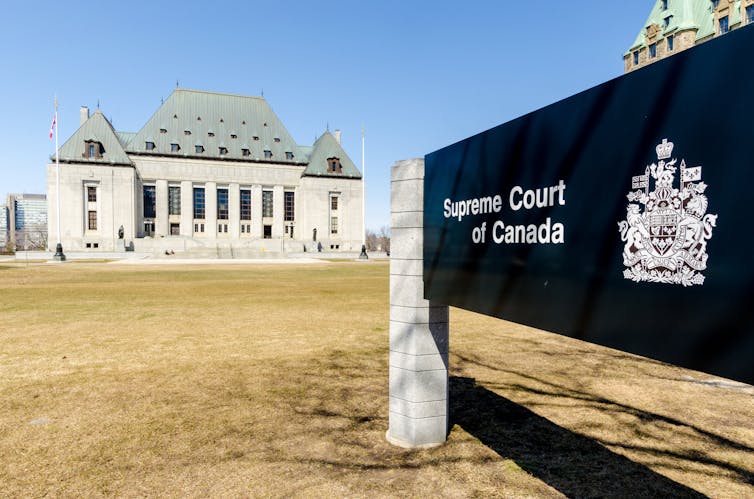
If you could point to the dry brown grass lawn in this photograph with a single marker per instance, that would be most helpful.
(272, 381)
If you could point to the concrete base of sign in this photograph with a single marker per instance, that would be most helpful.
(418, 329)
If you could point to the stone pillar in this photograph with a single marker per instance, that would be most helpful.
(256, 211)
(187, 208)
(210, 210)
(161, 225)
(278, 207)
(418, 329)
(234, 211)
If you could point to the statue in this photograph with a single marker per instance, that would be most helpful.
(314, 234)
(120, 232)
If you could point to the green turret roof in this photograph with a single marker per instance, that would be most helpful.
(684, 15)
(95, 129)
(327, 147)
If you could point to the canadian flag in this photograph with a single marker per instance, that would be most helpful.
(54, 122)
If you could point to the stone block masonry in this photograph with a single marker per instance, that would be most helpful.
(418, 329)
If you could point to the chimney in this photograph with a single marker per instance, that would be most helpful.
(336, 134)
(83, 115)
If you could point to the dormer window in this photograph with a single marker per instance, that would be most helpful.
(222, 120)
(715, 3)
(93, 149)
(246, 152)
(276, 139)
(664, 4)
(210, 134)
(267, 154)
(198, 118)
(233, 136)
(667, 21)
(223, 151)
(724, 25)
(199, 149)
(175, 147)
(334, 166)
(187, 132)
(243, 122)
(149, 146)
(163, 130)
(255, 137)
(288, 155)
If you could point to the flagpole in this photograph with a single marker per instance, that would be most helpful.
(59, 256)
(363, 255)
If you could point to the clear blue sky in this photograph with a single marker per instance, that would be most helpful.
(418, 75)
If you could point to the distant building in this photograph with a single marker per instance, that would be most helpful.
(675, 25)
(208, 171)
(27, 220)
(3, 226)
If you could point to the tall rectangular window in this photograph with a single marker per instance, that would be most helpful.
(199, 203)
(174, 200)
(222, 204)
(245, 204)
(333, 225)
(289, 206)
(334, 203)
(266, 203)
(724, 25)
(91, 194)
(150, 201)
(653, 51)
(636, 58)
(750, 14)
(671, 43)
(92, 225)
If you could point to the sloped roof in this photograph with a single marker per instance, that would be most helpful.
(686, 15)
(327, 147)
(190, 118)
(125, 137)
(96, 129)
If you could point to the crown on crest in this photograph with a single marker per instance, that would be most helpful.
(664, 149)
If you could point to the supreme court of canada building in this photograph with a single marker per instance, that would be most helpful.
(207, 171)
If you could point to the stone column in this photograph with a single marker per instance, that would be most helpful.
(161, 225)
(187, 208)
(256, 211)
(210, 210)
(418, 329)
(278, 206)
(234, 211)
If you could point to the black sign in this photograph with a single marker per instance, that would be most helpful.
(621, 216)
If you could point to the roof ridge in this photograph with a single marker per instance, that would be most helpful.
(225, 94)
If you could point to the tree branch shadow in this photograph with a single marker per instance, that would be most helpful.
(573, 464)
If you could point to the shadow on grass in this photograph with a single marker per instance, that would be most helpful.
(573, 464)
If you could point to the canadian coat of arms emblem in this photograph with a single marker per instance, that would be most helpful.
(667, 240)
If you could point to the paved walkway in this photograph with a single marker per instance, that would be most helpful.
(218, 261)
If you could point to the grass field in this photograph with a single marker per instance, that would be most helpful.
(234, 381)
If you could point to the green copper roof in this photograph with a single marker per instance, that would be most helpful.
(223, 124)
(96, 129)
(327, 147)
(684, 15)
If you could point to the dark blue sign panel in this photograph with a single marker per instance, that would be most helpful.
(620, 216)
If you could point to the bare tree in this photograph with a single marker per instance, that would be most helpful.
(371, 240)
(384, 238)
